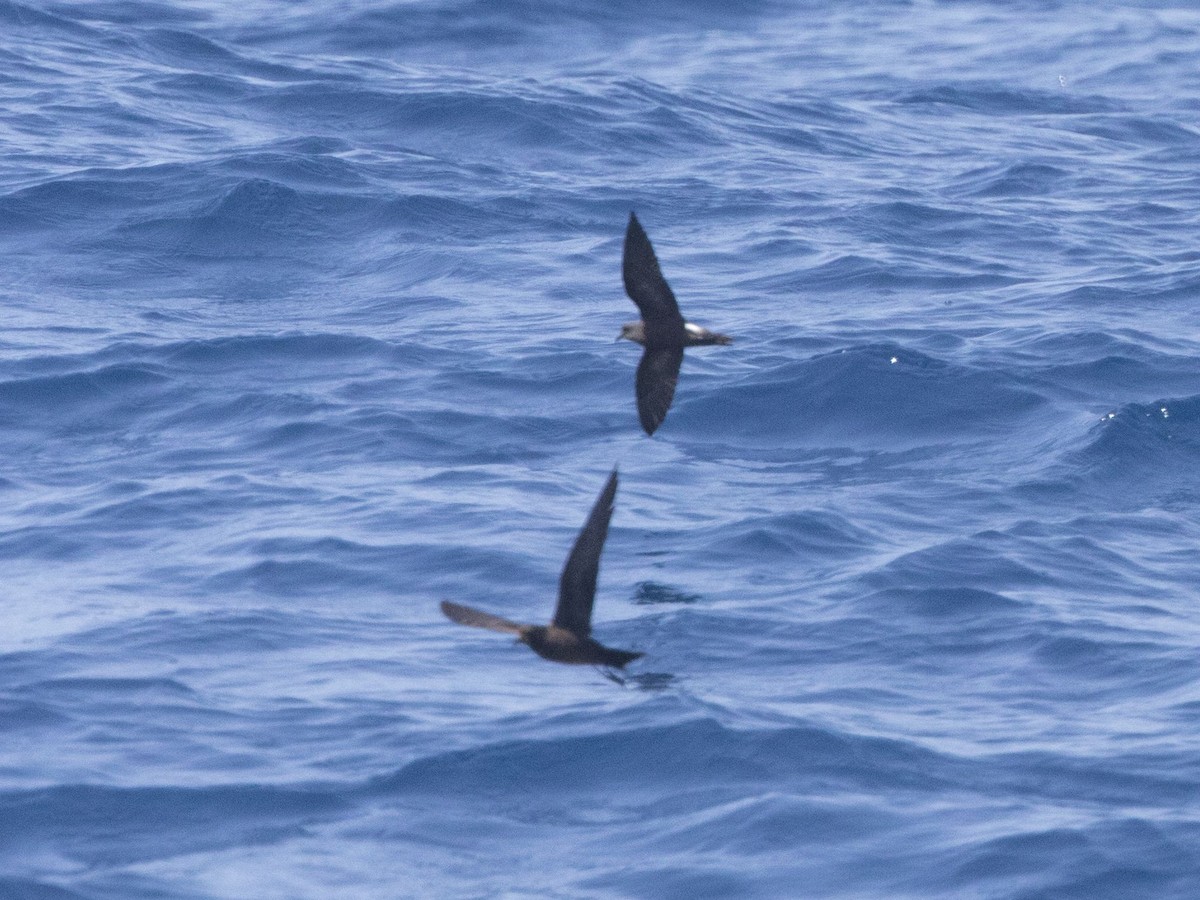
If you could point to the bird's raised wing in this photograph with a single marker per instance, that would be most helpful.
(577, 586)
(657, 374)
(644, 282)
(465, 615)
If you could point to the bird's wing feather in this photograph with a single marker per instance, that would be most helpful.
(644, 282)
(465, 615)
(577, 586)
(657, 374)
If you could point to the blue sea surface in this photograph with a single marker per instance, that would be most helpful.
(307, 320)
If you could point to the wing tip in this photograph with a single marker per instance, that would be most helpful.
(610, 486)
(634, 230)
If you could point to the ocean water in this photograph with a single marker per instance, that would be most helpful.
(306, 323)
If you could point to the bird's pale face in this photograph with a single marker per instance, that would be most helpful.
(633, 331)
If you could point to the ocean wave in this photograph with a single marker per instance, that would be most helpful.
(1145, 449)
(881, 397)
(657, 760)
(147, 823)
(995, 99)
(91, 396)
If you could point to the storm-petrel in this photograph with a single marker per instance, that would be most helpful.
(567, 639)
(662, 329)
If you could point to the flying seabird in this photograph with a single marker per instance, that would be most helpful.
(567, 639)
(662, 329)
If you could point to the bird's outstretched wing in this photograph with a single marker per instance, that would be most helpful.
(644, 282)
(465, 615)
(657, 375)
(577, 586)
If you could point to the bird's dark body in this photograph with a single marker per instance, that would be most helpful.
(560, 645)
(665, 336)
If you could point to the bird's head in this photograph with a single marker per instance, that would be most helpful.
(633, 331)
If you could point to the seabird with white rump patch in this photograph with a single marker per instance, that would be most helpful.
(661, 330)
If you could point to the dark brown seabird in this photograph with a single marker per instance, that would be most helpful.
(567, 639)
(662, 329)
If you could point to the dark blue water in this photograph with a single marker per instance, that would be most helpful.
(307, 323)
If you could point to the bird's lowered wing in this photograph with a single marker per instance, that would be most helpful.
(465, 615)
(657, 374)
